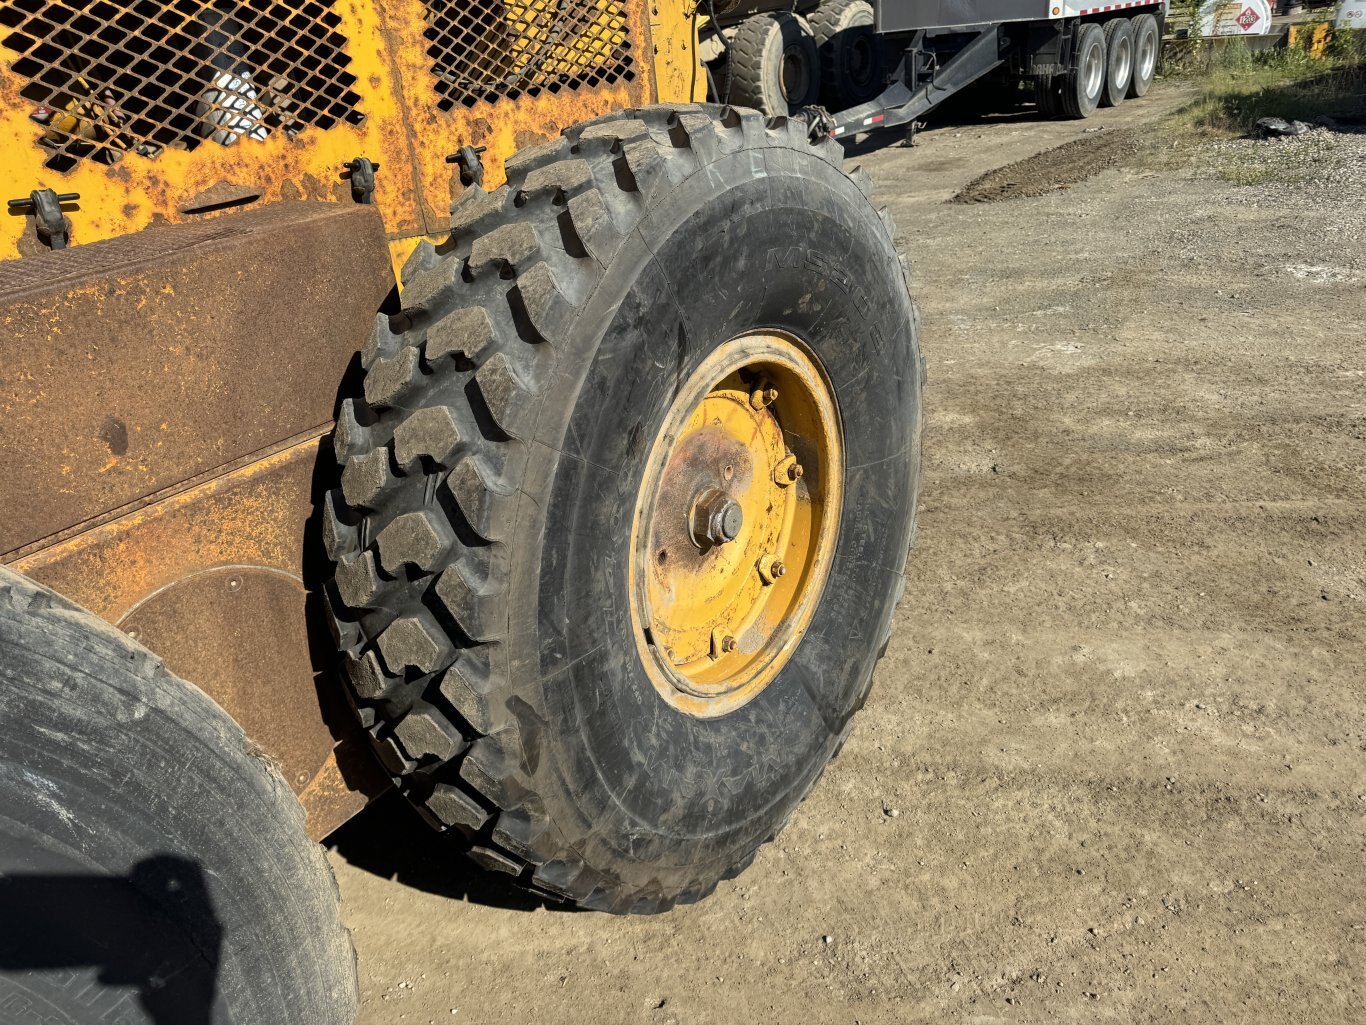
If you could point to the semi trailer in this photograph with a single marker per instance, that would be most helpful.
(879, 64)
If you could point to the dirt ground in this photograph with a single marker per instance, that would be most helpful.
(1114, 766)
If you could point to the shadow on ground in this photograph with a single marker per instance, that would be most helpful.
(389, 840)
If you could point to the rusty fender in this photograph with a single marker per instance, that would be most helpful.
(166, 397)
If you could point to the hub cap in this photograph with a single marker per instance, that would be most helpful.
(735, 523)
(1094, 70)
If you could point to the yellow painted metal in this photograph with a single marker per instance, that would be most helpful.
(716, 620)
(404, 130)
(679, 75)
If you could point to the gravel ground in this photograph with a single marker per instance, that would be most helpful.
(1114, 767)
(1326, 166)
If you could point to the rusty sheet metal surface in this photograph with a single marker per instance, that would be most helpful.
(404, 130)
(135, 364)
(139, 191)
(220, 580)
(504, 126)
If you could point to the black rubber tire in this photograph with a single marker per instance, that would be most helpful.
(153, 866)
(1119, 61)
(1146, 32)
(480, 593)
(759, 48)
(850, 53)
(1079, 98)
(1047, 95)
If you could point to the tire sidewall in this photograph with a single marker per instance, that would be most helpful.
(789, 39)
(1119, 35)
(838, 43)
(1090, 36)
(631, 766)
(1144, 25)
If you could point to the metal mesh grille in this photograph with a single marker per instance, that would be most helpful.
(142, 77)
(501, 49)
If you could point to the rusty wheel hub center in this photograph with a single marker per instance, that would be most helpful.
(735, 523)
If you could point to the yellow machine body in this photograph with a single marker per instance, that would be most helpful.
(90, 104)
(170, 377)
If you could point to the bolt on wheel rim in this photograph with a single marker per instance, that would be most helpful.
(735, 523)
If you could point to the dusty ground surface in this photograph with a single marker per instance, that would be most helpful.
(1114, 767)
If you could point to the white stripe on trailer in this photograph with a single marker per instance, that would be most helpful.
(1114, 7)
(1069, 11)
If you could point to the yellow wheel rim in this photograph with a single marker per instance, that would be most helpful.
(735, 523)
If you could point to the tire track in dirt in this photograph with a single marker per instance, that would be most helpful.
(1053, 169)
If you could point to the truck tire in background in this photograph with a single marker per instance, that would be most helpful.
(624, 512)
(1082, 86)
(1147, 52)
(850, 53)
(153, 867)
(774, 64)
(1048, 94)
(1119, 61)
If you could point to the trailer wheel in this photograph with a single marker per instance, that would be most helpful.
(774, 64)
(1085, 79)
(1119, 61)
(623, 512)
(1147, 48)
(851, 57)
(153, 866)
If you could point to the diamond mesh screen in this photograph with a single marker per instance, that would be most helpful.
(108, 78)
(501, 49)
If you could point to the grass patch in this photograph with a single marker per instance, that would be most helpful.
(1239, 86)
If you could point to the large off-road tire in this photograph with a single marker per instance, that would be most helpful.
(773, 63)
(851, 57)
(153, 866)
(1119, 61)
(1084, 82)
(1147, 54)
(497, 532)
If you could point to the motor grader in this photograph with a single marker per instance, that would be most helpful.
(426, 395)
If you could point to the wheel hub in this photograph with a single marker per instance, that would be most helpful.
(716, 519)
(735, 523)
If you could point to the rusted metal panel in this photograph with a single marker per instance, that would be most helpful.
(502, 126)
(136, 191)
(392, 75)
(219, 581)
(137, 363)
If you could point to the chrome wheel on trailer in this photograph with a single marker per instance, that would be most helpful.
(1147, 50)
(1085, 79)
(1119, 61)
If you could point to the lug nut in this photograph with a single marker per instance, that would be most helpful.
(764, 395)
(770, 569)
(728, 644)
(788, 471)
